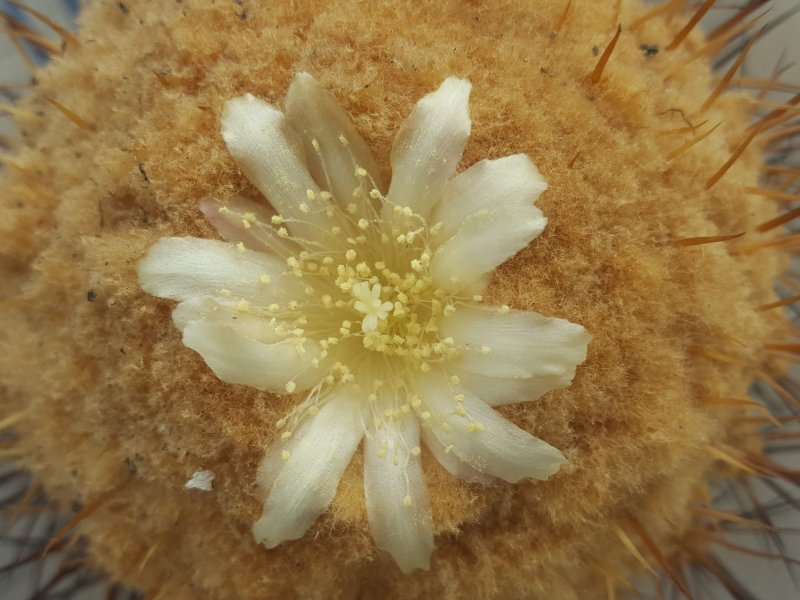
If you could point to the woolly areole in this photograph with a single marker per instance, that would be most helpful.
(117, 414)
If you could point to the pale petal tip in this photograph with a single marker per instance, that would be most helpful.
(419, 562)
(456, 85)
(304, 77)
(555, 466)
(238, 101)
(553, 458)
(263, 534)
(150, 266)
(303, 84)
(210, 209)
(583, 338)
(238, 111)
(546, 467)
(454, 92)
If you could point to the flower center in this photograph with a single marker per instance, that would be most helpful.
(365, 308)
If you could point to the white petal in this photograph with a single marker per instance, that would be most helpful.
(270, 154)
(316, 114)
(450, 460)
(494, 445)
(397, 500)
(182, 268)
(519, 344)
(487, 185)
(235, 358)
(303, 486)
(488, 210)
(465, 262)
(497, 391)
(226, 313)
(239, 219)
(428, 147)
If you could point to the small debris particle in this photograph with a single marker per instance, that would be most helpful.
(680, 112)
(650, 50)
(130, 464)
(91, 296)
(201, 480)
(574, 158)
(124, 8)
(595, 51)
(144, 173)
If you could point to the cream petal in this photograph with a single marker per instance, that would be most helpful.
(481, 437)
(487, 216)
(428, 147)
(465, 262)
(397, 501)
(317, 115)
(489, 185)
(497, 391)
(270, 154)
(517, 344)
(485, 239)
(226, 313)
(303, 485)
(239, 219)
(451, 462)
(183, 268)
(236, 358)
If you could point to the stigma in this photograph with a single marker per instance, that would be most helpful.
(368, 302)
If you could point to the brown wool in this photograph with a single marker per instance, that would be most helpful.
(117, 414)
